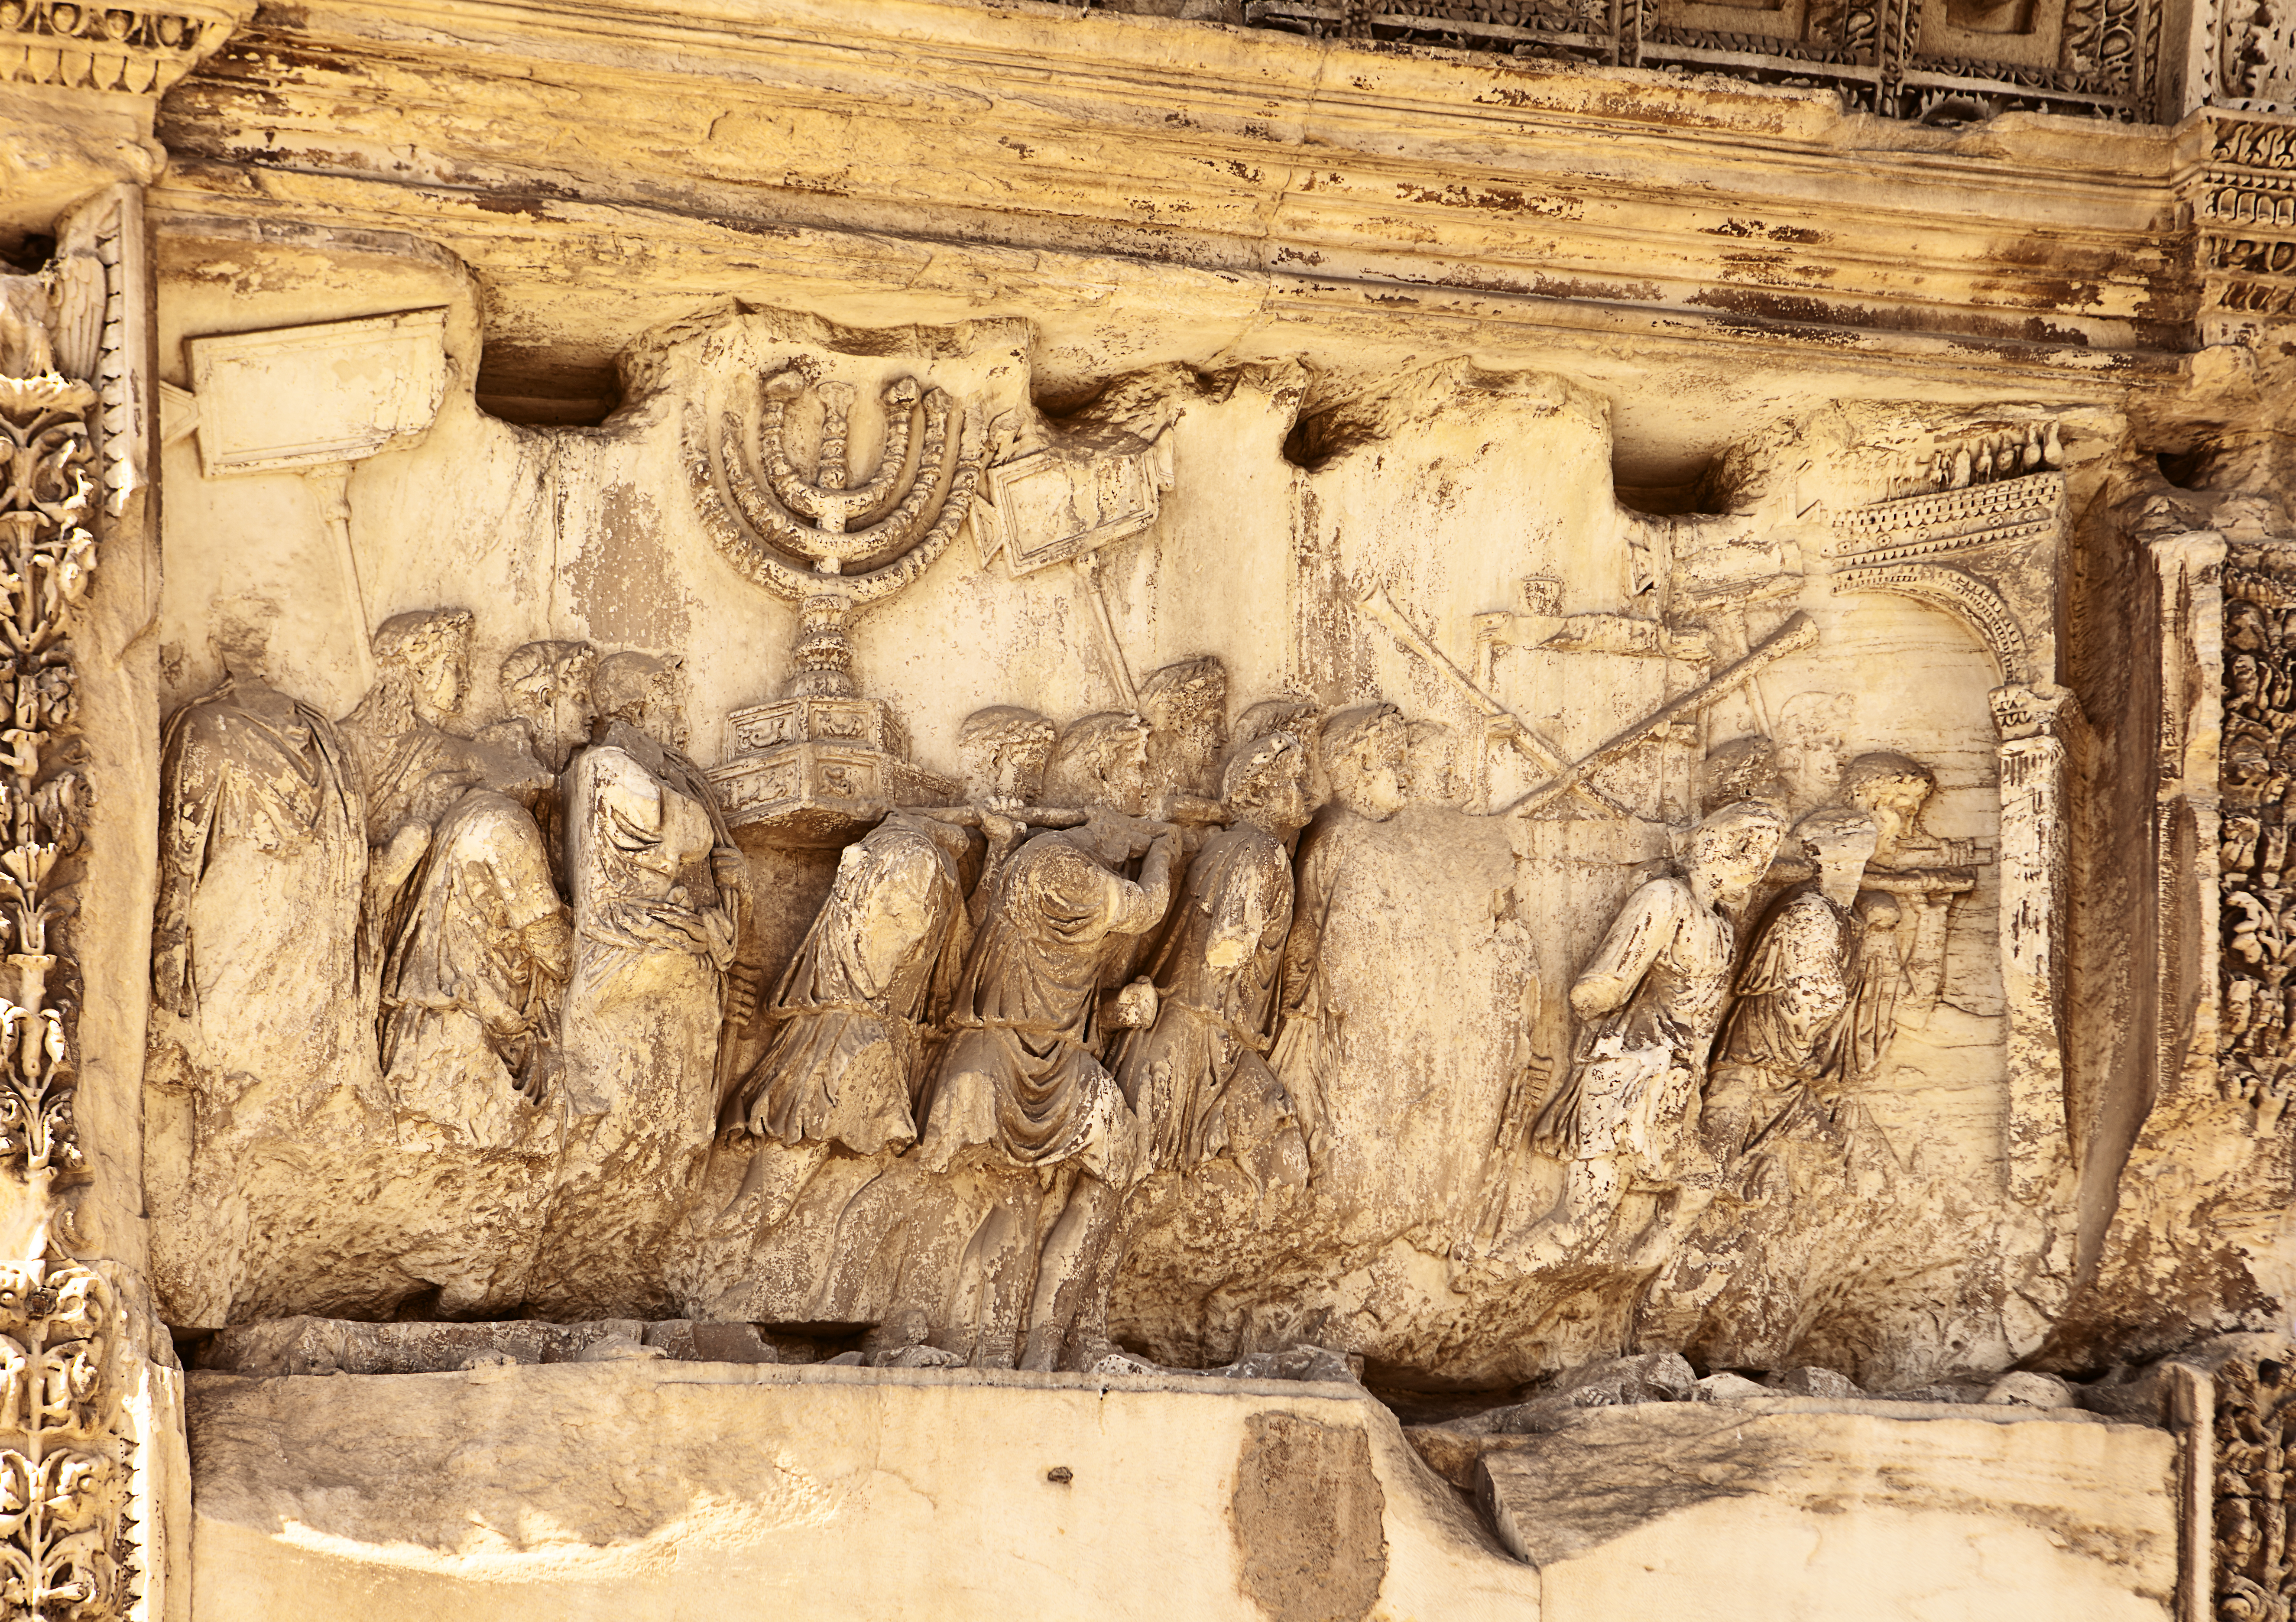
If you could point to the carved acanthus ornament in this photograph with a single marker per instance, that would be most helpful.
(69, 468)
(50, 552)
(2259, 1034)
(2249, 1461)
(65, 1542)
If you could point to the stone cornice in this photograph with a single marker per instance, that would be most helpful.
(138, 50)
(970, 155)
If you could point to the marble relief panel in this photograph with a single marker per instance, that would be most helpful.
(839, 848)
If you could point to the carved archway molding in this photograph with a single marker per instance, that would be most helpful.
(1963, 595)
(1985, 551)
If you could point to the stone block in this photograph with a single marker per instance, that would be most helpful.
(659, 1489)
(1769, 1512)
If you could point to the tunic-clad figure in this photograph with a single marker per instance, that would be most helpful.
(1197, 1078)
(1020, 1074)
(854, 1011)
(1776, 1063)
(262, 861)
(462, 912)
(470, 989)
(657, 882)
(1366, 755)
(258, 1059)
(1022, 1088)
(1649, 1003)
(1861, 1040)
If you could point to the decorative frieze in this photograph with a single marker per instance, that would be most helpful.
(2257, 1040)
(1936, 61)
(69, 1546)
(138, 50)
(2243, 203)
(2252, 1433)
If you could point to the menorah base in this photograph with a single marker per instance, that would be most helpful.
(813, 795)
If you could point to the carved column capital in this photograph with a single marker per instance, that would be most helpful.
(2190, 550)
(2021, 711)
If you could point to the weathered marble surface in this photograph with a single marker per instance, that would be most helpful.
(955, 684)
(935, 1494)
(832, 1492)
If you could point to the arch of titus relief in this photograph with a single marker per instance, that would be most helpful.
(1292, 810)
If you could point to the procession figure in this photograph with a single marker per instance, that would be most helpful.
(1101, 760)
(546, 686)
(1648, 1005)
(1891, 789)
(1365, 753)
(1003, 751)
(1777, 1060)
(1198, 1079)
(1877, 984)
(413, 758)
(901, 918)
(1293, 715)
(1022, 1090)
(461, 914)
(262, 861)
(855, 1015)
(1186, 707)
(1910, 889)
(656, 883)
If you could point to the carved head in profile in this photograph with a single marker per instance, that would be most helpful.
(642, 692)
(1743, 768)
(1101, 760)
(1266, 783)
(1186, 707)
(547, 685)
(1297, 716)
(242, 635)
(1838, 841)
(1367, 752)
(890, 894)
(423, 659)
(1730, 851)
(1003, 751)
(1891, 789)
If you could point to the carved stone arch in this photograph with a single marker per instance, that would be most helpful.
(1986, 552)
(1963, 596)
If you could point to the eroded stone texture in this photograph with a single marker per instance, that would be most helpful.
(1675, 1508)
(837, 1492)
(1308, 1518)
(1210, 694)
